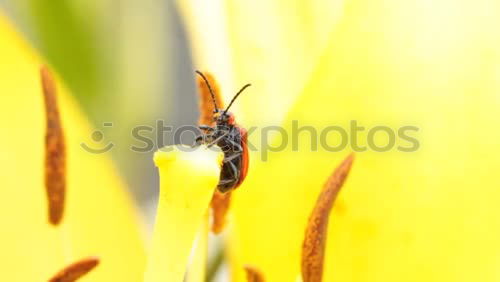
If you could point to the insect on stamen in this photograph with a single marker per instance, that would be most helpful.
(231, 138)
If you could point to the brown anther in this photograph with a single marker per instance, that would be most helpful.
(253, 274)
(313, 248)
(55, 151)
(220, 202)
(220, 206)
(75, 270)
(206, 103)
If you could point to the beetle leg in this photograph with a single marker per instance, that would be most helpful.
(217, 140)
(203, 138)
(224, 182)
(206, 127)
(199, 140)
(235, 170)
(231, 158)
(236, 145)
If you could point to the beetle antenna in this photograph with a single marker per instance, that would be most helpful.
(209, 88)
(236, 96)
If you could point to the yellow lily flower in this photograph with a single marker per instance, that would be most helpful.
(98, 224)
(426, 215)
(408, 213)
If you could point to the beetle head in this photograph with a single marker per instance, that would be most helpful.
(222, 117)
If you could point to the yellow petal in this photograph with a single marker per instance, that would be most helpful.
(429, 215)
(99, 217)
(272, 44)
(188, 178)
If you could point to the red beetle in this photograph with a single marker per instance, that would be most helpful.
(232, 139)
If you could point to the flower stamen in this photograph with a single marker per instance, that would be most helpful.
(206, 103)
(253, 274)
(220, 206)
(313, 248)
(75, 270)
(55, 150)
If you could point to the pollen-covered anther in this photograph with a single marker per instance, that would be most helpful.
(220, 206)
(55, 150)
(313, 248)
(253, 274)
(206, 102)
(75, 270)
